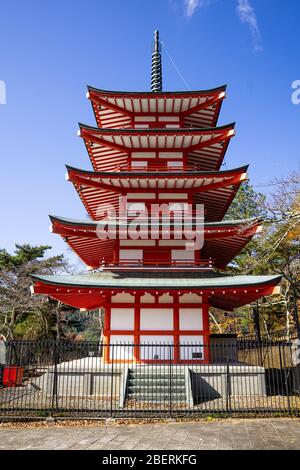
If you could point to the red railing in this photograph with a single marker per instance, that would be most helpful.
(149, 214)
(154, 168)
(153, 263)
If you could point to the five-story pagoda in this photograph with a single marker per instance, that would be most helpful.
(160, 150)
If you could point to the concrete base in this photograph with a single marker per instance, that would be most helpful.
(92, 377)
(211, 381)
(87, 377)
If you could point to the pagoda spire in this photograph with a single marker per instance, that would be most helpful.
(156, 70)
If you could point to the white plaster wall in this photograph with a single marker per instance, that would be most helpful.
(120, 298)
(131, 255)
(122, 347)
(140, 196)
(172, 195)
(168, 118)
(183, 255)
(156, 319)
(165, 299)
(137, 243)
(190, 299)
(156, 346)
(122, 319)
(136, 206)
(190, 319)
(192, 345)
(170, 155)
(171, 242)
(147, 299)
(144, 118)
(175, 164)
(180, 207)
(139, 163)
(143, 154)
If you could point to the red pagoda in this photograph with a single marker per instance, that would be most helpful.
(151, 149)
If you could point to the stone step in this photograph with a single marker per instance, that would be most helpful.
(154, 376)
(153, 389)
(161, 381)
(156, 386)
(146, 396)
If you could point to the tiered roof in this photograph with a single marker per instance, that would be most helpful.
(214, 189)
(137, 133)
(117, 109)
(222, 240)
(90, 290)
(202, 148)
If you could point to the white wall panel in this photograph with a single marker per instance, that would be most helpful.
(137, 243)
(155, 347)
(172, 196)
(183, 255)
(147, 299)
(122, 319)
(191, 348)
(143, 155)
(170, 155)
(122, 347)
(140, 196)
(190, 299)
(145, 118)
(131, 255)
(165, 299)
(171, 242)
(156, 319)
(119, 298)
(190, 319)
(168, 118)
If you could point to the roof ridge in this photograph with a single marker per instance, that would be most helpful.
(184, 92)
(108, 130)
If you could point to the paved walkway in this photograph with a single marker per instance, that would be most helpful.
(279, 433)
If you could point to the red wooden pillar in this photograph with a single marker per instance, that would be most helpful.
(205, 319)
(137, 327)
(107, 316)
(176, 328)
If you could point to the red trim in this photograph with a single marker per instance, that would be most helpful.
(205, 319)
(174, 332)
(229, 178)
(107, 319)
(137, 320)
(137, 332)
(113, 115)
(176, 328)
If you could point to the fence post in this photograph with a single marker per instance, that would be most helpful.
(170, 380)
(54, 385)
(283, 369)
(112, 375)
(228, 401)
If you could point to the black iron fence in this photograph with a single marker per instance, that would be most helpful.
(90, 379)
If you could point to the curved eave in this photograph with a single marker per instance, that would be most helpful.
(196, 143)
(156, 94)
(160, 174)
(222, 282)
(92, 223)
(205, 187)
(222, 241)
(222, 292)
(166, 131)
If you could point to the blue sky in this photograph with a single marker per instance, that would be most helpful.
(52, 49)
